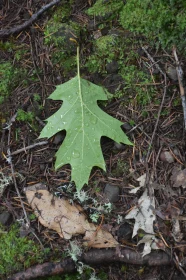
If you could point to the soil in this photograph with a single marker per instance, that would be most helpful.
(159, 142)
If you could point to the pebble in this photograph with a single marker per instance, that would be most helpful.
(42, 166)
(112, 193)
(172, 73)
(112, 67)
(125, 231)
(126, 126)
(119, 146)
(34, 108)
(166, 156)
(58, 138)
(5, 218)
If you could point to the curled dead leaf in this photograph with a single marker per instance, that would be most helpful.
(178, 178)
(143, 214)
(68, 220)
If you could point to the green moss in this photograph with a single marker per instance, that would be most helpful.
(7, 46)
(6, 74)
(24, 116)
(18, 253)
(162, 21)
(9, 78)
(105, 50)
(64, 51)
(106, 8)
(137, 82)
(120, 169)
(63, 12)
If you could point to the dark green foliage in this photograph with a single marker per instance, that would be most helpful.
(7, 78)
(10, 76)
(162, 21)
(17, 253)
(24, 116)
(105, 8)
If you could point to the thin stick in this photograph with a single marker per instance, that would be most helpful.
(34, 17)
(28, 147)
(150, 190)
(153, 61)
(180, 80)
(9, 159)
(158, 117)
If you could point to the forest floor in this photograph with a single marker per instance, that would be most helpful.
(144, 96)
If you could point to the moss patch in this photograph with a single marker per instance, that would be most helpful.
(18, 253)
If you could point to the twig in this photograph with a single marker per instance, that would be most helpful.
(9, 159)
(153, 61)
(94, 257)
(34, 17)
(150, 189)
(158, 117)
(29, 147)
(157, 121)
(180, 80)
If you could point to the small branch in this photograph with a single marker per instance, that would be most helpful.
(29, 147)
(9, 160)
(148, 176)
(180, 80)
(94, 257)
(34, 17)
(153, 61)
(44, 270)
(158, 117)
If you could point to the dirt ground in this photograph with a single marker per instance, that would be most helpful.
(156, 128)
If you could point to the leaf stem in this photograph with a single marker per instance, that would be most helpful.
(78, 71)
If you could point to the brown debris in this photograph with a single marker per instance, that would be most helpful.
(178, 178)
(68, 220)
(34, 17)
(95, 257)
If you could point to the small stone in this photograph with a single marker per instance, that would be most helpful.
(91, 25)
(113, 82)
(125, 231)
(166, 156)
(34, 108)
(5, 218)
(42, 166)
(119, 146)
(155, 71)
(141, 52)
(104, 31)
(58, 138)
(112, 67)
(112, 193)
(172, 73)
(126, 126)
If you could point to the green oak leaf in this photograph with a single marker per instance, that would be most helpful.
(85, 123)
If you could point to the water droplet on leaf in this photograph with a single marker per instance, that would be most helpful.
(94, 120)
(75, 154)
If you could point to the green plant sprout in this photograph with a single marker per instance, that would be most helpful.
(24, 116)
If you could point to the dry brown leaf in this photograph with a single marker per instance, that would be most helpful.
(179, 178)
(68, 220)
